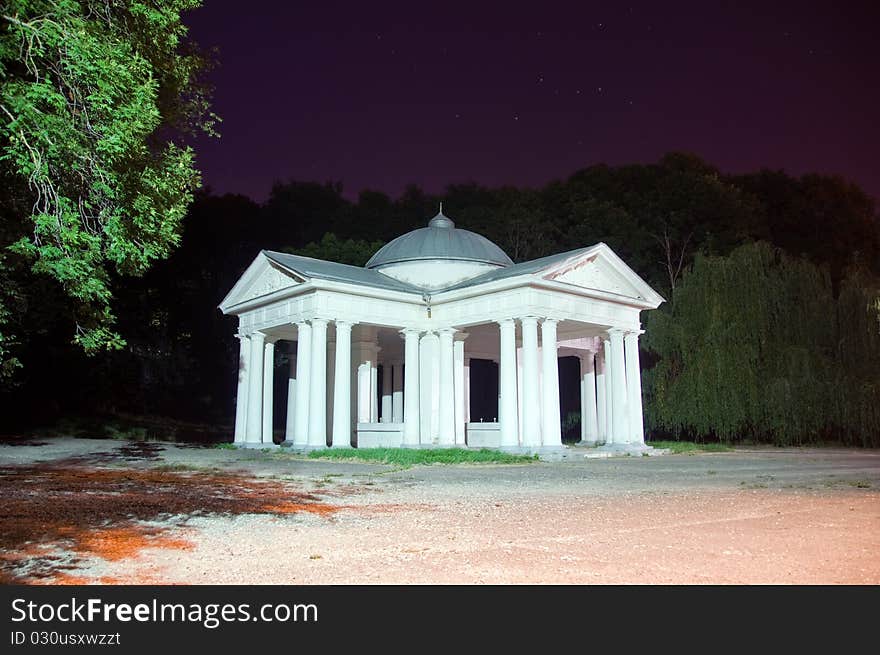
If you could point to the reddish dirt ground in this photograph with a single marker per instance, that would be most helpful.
(111, 517)
(740, 537)
(54, 516)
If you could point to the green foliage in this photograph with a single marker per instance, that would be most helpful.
(181, 356)
(756, 346)
(355, 252)
(690, 447)
(9, 299)
(572, 421)
(411, 456)
(85, 88)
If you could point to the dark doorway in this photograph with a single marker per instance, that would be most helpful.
(484, 390)
(285, 351)
(570, 398)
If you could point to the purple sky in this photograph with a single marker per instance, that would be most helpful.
(379, 95)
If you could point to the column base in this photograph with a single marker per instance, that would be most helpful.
(627, 450)
(300, 447)
(420, 446)
(257, 445)
(544, 453)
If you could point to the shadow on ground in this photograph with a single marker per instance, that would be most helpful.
(55, 516)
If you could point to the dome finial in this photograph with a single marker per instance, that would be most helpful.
(440, 220)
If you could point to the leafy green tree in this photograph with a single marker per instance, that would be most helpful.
(91, 93)
(355, 252)
(298, 213)
(757, 346)
(657, 216)
(826, 218)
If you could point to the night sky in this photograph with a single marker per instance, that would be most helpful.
(379, 95)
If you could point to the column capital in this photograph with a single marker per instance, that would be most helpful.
(633, 333)
(554, 321)
(405, 332)
(344, 324)
(530, 319)
(319, 321)
(241, 336)
(614, 331)
(447, 331)
(259, 336)
(461, 336)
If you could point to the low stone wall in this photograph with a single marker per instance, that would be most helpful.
(379, 435)
(484, 435)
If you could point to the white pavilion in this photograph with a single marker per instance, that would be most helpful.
(423, 309)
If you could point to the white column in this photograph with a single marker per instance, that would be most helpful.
(589, 414)
(634, 388)
(244, 354)
(364, 354)
(411, 388)
(397, 393)
(268, 391)
(330, 383)
(519, 393)
(386, 392)
(342, 387)
(600, 392)
(531, 393)
(583, 403)
(291, 400)
(467, 389)
(619, 417)
(458, 384)
(363, 387)
(318, 391)
(254, 431)
(374, 391)
(435, 387)
(551, 434)
(609, 405)
(427, 389)
(303, 375)
(509, 424)
(446, 391)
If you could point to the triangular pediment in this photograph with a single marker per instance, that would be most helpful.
(600, 269)
(262, 278)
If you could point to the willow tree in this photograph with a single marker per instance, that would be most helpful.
(857, 388)
(94, 96)
(755, 345)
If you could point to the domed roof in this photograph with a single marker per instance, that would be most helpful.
(440, 240)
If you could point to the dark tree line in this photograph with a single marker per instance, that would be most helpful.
(181, 352)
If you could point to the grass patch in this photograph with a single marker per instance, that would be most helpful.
(177, 467)
(225, 446)
(411, 456)
(691, 447)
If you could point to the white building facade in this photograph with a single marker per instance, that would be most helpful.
(423, 309)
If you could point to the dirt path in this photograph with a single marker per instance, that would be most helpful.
(180, 515)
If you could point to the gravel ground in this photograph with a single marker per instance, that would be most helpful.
(801, 516)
